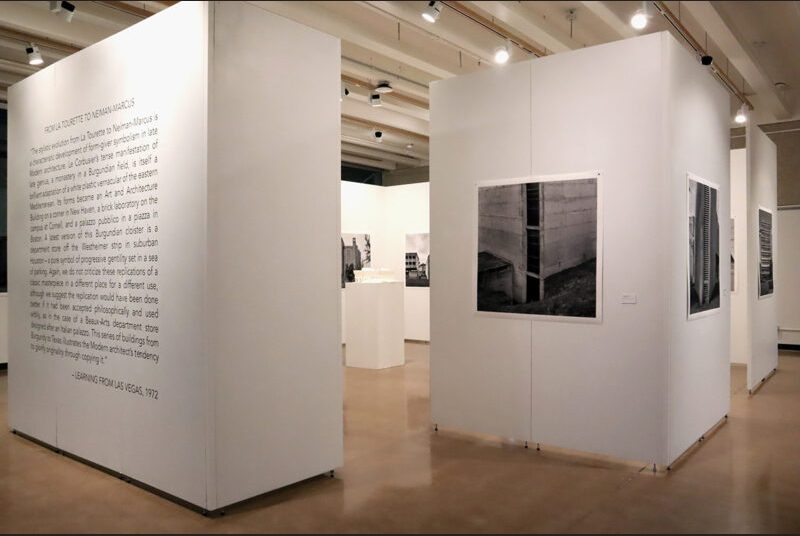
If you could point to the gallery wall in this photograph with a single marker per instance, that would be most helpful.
(387, 214)
(81, 402)
(787, 276)
(600, 386)
(740, 341)
(699, 349)
(273, 251)
(763, 311)
(185, 330)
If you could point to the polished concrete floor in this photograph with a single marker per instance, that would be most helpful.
(399, 476)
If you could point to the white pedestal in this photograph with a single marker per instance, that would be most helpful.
(374, 325)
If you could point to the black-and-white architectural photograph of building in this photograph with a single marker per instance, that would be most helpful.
(538, 248)
(356, 255)
(765, 263)
(418, 260)
(704, 279)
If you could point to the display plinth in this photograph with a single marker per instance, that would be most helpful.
(164, 260)
(374, 326)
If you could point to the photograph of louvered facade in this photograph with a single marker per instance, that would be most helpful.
(704, 279)
(537, 248)
(765, 272)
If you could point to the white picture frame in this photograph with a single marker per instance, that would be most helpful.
(593, 174)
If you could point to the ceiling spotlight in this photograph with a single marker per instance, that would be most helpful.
(706, 60)
(384, 87)
(741, 116)
(345, 92)
(34, 56)
(69, 10)
(377, 134)
(501, 54)
(409, 145)
(432, 12)
(639, 20)
(375, 100)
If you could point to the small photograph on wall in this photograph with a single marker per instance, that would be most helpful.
(356, 254)
(704, 280)
(418, 260)
(765, 273)
(538, 247)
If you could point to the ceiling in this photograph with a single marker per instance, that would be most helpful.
(754, 44)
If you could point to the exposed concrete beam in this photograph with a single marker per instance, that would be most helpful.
(388, 147)
(601, 11)
(15, 67)
(323, 18)
(733, 47)
(360, 150)
(513, 15)
(410, 16)
(355, 107)
(375, 163)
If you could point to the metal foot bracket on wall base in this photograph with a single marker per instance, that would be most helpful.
(702, 439)
(761, 383)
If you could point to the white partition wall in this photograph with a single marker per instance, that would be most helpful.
(762, 190)
(643, 381)
(787, 277)
(740, 330)
(175, 302)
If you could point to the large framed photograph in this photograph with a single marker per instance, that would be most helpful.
(766, 281)
(356, 255)
(539, 247)
(703, 276)
(418, 260)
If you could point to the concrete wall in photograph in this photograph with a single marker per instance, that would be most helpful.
(569, 224)
(502, 231)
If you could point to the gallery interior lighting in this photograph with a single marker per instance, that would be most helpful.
(432, 12)
(639, 19)
(375, 100)
(741, 115)
(34, 56)
(501, 54)
(67, 8)
(345, 92)
(384, 87)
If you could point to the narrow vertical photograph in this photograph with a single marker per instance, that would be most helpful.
(537, 248)
(356, 255)
(704, 281)
(418, 260)
(765, 263)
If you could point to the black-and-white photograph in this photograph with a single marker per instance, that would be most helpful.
(356, 255)
(704, 278)
(765, 273)
(537, 248)
(418, 260)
